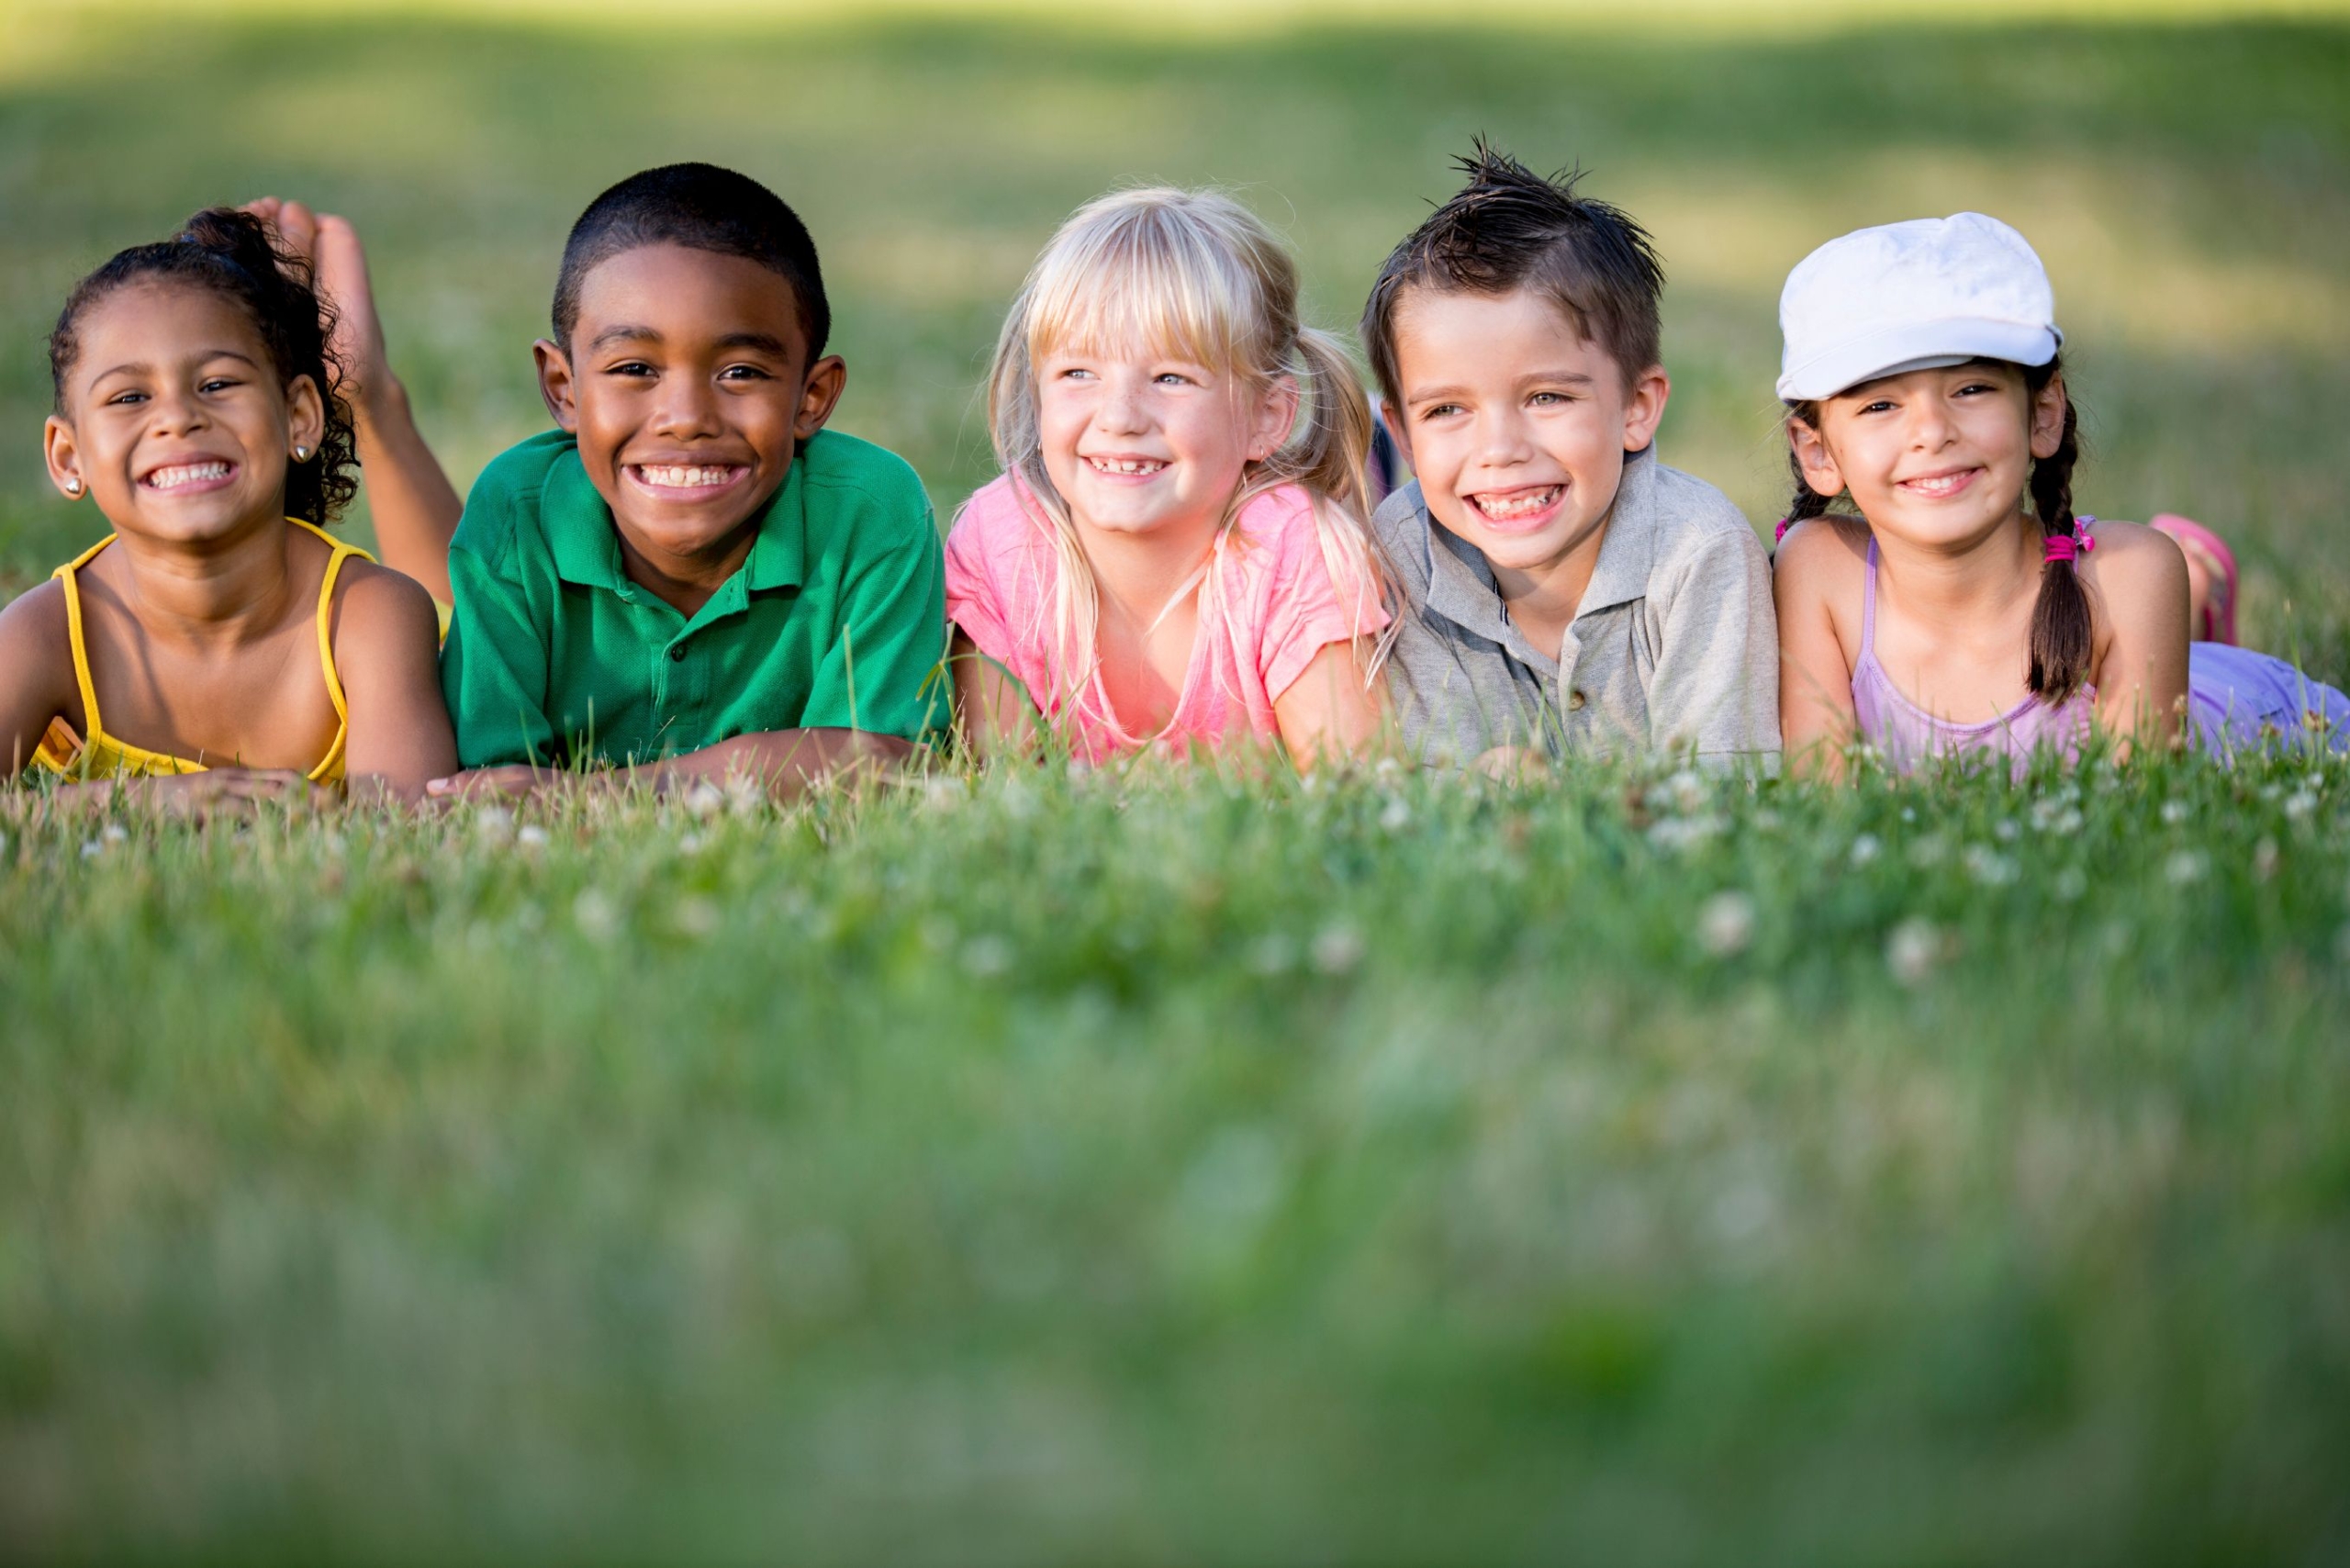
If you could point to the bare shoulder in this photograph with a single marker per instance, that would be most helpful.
(36, 650)
(381, 608)
(1822, 554)
(34, 629)
(2133, 564)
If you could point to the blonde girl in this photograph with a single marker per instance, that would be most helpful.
(1177, 554)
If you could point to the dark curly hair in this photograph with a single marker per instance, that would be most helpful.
(2064, 633)
(230, 252)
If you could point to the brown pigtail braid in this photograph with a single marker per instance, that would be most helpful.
(2063, 634)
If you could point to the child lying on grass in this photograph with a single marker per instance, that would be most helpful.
(1566, 593)
(220, 647)
(1176, 555)
(1966, 607)
(691, 577)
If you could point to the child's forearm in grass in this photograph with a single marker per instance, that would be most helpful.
(786, 763)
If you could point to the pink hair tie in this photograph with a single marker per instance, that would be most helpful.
(1779, 536)
(2070, 547)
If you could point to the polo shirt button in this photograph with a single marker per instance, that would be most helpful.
(1575, 700)
(677, 653)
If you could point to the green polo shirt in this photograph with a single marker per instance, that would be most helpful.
(837, 619)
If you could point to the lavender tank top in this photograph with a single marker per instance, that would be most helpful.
(1907, 735)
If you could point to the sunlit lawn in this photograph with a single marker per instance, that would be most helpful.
(1036, 1169)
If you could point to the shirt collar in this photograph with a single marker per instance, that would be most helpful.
(1462, 587)
(1621, 574)
(586, 543)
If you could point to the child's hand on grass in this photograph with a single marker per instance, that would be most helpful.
(515, 781)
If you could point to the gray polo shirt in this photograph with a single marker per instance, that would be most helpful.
(1675, 645)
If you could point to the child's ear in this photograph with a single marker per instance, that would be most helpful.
(64, 459)
(2048, 418)
(1644, 409)
(818, 396)
(305, 415)
(1818, 465)
(1276, 417)
(556, 388)
(1397, 432)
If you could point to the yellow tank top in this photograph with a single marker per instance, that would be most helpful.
(99, 754)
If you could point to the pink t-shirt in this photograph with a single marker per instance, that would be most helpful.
(1276, 608)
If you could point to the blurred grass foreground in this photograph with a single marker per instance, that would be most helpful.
(1023, 1168)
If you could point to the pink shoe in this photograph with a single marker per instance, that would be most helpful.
(2220, 605)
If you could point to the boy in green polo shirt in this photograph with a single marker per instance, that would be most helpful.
(691, 576)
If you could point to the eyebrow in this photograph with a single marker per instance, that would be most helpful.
(622, 335)
(1550, 377)
(135, 366)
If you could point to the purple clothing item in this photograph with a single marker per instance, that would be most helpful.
(2240, 701)
(1907, 735)
(2236, 701)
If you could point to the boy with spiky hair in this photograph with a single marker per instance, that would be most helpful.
(691, 576)
(1566, 593)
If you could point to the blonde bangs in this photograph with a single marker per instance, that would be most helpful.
(1136, 270)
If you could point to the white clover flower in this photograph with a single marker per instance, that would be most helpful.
(91, 849)
(2264, 859)
(691, 845)
(2300, 804)
(2005, 830)
(703, 799)
(1867, 849)
(1684, 792)
(1337, 949)
(494, 824)
(114, 833)
(1726, 924)
(2174, 812)
(2070, 884)
(744, 794)
(944, 793)
(985, 956)
(1273, 954)
(1682, 834)
(532, 837)
(1988, 866)
(596, 916)
(694, 916)
(2186, 866)
(1386, 767)
(1912, 949)
(1396, 816)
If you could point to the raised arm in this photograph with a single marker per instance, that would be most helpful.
(414, 506)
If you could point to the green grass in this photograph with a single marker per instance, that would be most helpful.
(1039, 1169)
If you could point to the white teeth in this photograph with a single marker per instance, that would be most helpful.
(1942, 486)
(1117, 465)
(1506, 509)
(186, 474)
(673, 476)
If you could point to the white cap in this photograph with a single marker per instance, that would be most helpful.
(1915, 295)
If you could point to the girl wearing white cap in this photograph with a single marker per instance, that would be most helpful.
(1967, 607)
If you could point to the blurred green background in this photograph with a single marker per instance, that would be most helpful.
(2183, 173)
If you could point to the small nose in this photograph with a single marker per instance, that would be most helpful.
(688, 406)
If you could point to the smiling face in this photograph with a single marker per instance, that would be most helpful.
(686, 381)
(1938, 458)
(175, 420)
(1516, 424)
(1145, 443)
